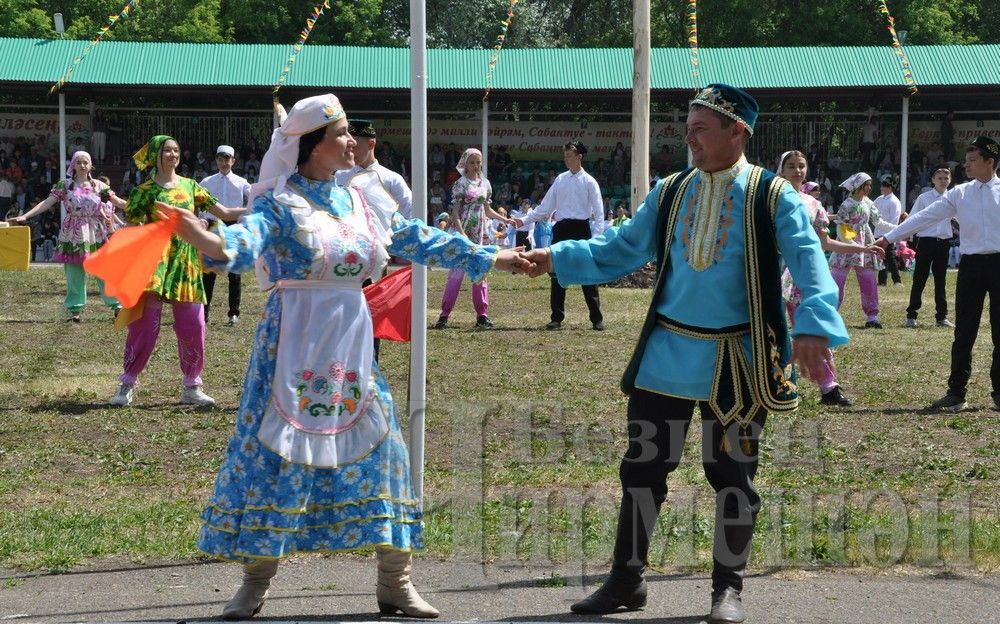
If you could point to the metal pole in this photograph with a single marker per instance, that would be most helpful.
(904, 148)
(640, 102)
(486, 126)
(62, 147)
(418, 311)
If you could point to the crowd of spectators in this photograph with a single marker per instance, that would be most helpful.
(29, 168)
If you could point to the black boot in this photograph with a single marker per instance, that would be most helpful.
(614, 594)
(731, 551)
(727, 608)
(625, 586)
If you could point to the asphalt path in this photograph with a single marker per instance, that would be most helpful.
(341, 588)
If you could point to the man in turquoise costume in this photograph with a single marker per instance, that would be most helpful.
(715, 336)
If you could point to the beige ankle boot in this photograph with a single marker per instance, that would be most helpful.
(250, 597)
(394, 591)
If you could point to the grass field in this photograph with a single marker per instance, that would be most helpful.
(524, 435)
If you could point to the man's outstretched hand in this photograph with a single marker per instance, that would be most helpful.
(540, 261)
(812, 355)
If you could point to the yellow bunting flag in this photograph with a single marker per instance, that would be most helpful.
(297, 46)
(692, 30)
(92, 43)
(497, 48)
(904, 61)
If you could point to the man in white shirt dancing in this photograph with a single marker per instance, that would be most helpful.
(231, 190)
(365, 162)
(976, 207)
(575, 197)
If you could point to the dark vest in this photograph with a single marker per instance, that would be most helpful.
(764, 382)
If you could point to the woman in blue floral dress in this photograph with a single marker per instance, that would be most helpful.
(318, 461)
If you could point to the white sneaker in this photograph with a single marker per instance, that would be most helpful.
(233, 320)
(125, 395)
(910, 322)
(192, 395)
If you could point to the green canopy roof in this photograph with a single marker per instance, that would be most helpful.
(42, 61)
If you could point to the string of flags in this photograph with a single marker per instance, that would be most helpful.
(692, 37)
(497, 47)
(911, 83)
(297, 46)
(112, 20)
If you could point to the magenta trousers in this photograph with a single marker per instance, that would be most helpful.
(828, 381)
(867, 283)
(480, 294)
(189, 325)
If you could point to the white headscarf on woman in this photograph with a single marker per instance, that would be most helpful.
(465, 157)
(855, 182)
(281, 158)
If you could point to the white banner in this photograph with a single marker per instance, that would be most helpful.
(927, 134)
(535, 140)
(16, 126)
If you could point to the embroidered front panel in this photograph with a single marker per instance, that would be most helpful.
(709, 216)
(324, 396)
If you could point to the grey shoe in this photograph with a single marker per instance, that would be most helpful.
(727, 607)
(193, 395)
(233, 320)
(124, 396)
(554, 325)
(945, 323)
(911, 323)
(950, 403)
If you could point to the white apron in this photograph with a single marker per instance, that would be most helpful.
(324, 410)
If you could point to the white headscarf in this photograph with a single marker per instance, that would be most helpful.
(280, 160)
(855, 182)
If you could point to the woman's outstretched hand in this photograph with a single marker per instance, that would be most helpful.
(192, 229)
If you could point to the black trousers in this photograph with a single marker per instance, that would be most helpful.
(932, 255)
(235, 288)
(521, 240)
(657, 428)
(572, 229)
(891, 266)
(978, 275)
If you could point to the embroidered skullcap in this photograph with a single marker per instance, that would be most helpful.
(361, 128)
(731, 102)
(281, 158)
(886, 180)
(225, 149)
(578, 147)
(988, 145)
(465, 156)
(855, 182)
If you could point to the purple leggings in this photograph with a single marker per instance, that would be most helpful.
(189, 325)
(480, 294)
(867, 282)
(829, 379)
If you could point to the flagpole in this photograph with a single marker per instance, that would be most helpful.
(418, 181)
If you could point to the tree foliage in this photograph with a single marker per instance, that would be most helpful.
(539, 23)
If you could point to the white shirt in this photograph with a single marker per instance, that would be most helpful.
(571, 196)
(394, 184)
(941, 229)
(517, 213)
(976, 207)
(231, 190)
(889, 209)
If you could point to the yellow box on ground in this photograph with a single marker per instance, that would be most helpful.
(15, 248)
